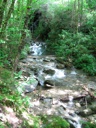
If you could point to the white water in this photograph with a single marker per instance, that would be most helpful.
(37, 48)
(59, 74)
(75, 118)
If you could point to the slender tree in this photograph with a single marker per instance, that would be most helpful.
(2, 9)
(23, 35)
(5, 22)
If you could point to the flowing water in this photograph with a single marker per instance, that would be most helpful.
(45, 69)
(38, 48)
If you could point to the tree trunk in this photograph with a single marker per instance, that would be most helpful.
(4, 24)
(23, 36)
(2, 9)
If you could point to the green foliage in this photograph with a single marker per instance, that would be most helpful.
(73, 46)
(7, 86)
(91, 4)
(6, 77)
(54, 122)
(25, 51)
(71, 32)
(89, 125)
(18, 75)
(2, 125)
(87, 63)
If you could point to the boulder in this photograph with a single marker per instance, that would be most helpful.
(85, 112)
(49, 84)
(30, 85)
(49, 71)
(60, 66)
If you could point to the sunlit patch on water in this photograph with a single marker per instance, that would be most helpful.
(59, 73)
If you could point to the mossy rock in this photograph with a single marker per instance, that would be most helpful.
(60, 60)
(53, 121)
(88, 125)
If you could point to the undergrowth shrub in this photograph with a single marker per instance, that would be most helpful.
(76, 47)
(89, 125)
(54, 122)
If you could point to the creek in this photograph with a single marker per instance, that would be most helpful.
(57, 88)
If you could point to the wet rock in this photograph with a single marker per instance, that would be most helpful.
(47, 102)
(29, 88)
(61, 110)
(49, 58)
(93, 107)
(72, 126)
(49, 71)
(78, 105)
(89, 99)
(30, 85)
(25, 73)
(33, 68)
(49, 84)
(60, 60)
(24, 61)
(68, 65)
(85, 112)
(46, 60)
(41, 80)
(92, 118)
(60, 66)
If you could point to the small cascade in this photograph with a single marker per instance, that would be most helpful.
(37, 48)
(58, 83)
(70, 103)
(75, 121)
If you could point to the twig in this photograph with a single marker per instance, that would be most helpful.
(89, 92)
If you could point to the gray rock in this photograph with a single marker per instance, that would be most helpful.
(85, 112)
(29, 88)
(49, 71)
(60, 66)
(49, 83)
(46, 60)
(30, 85)
(93, 107)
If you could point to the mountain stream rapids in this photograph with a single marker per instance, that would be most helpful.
(58, 88)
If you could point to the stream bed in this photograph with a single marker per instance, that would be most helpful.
(56, 88)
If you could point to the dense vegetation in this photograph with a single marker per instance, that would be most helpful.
(68, 27)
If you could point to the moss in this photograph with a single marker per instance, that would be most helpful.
(54, 122)
(89, 125)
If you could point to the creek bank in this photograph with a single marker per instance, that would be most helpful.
(54, 87)
(57, 90)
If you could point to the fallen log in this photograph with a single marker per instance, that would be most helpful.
(89, 92)
(66, 99)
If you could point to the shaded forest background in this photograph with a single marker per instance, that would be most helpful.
(67, 27)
